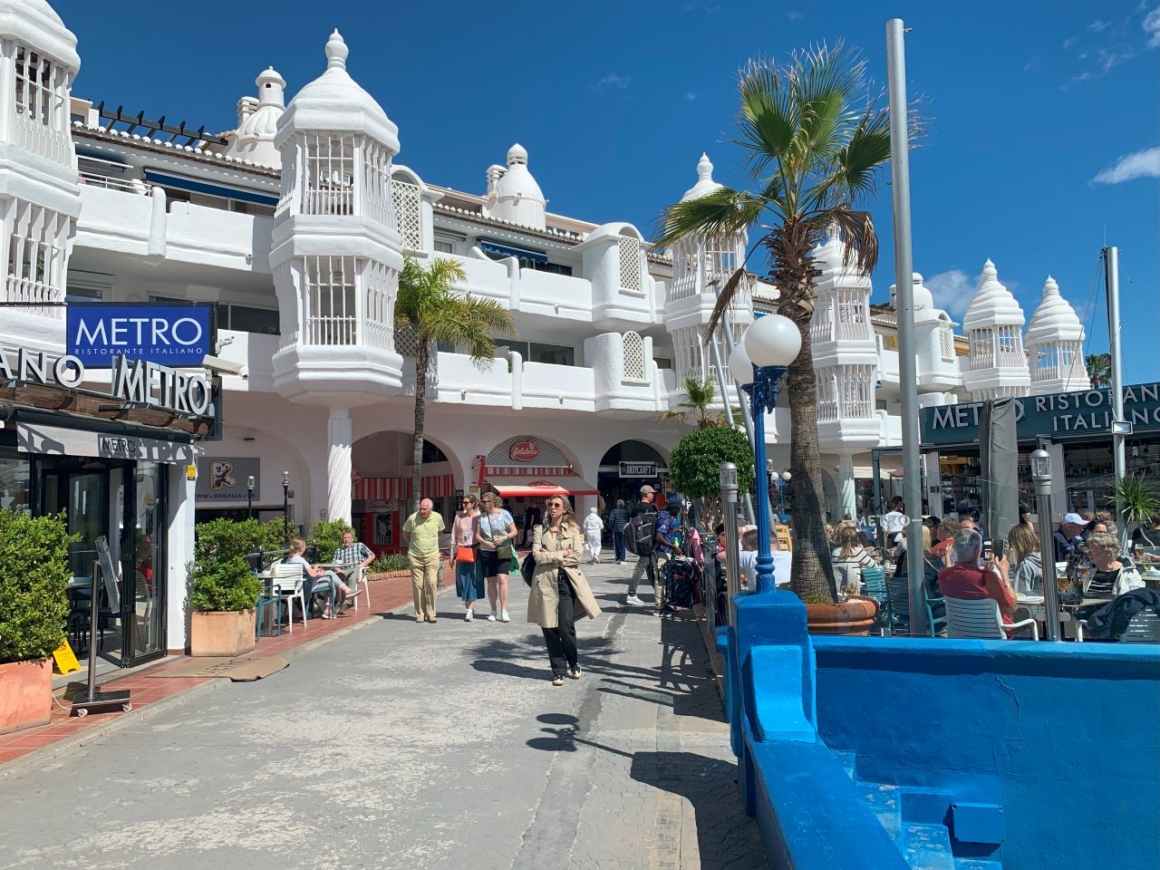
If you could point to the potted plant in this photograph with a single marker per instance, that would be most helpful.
(34, 575)
(394, 565)
(224, 590)
(1138, 499)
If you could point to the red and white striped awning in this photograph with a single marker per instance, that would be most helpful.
(391, 488)
(540, 487)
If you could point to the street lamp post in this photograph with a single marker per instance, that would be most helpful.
(783, 480)
(250, 497)
(727, 474)
(1041, 474)
(286, 508)
(770, 345)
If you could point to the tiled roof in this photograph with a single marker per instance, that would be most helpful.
(156, 145)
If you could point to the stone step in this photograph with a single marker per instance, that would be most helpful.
(927, 847)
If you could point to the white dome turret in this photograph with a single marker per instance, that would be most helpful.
(705, 183)
(35, 24)
(993, 304)
(334, 102)
(1054, 319)
(1055, 345)
(923, 298)
(997, 365)
(258, 121)
(513, 194)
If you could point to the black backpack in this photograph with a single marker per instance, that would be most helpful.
(640, 534)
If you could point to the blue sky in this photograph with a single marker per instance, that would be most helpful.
(1042, 142)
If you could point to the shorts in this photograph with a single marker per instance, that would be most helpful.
(491, 564)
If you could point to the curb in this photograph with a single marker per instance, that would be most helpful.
(40, 758)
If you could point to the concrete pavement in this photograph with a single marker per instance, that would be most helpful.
(415, 746)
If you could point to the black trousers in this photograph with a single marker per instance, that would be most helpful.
(561, 640)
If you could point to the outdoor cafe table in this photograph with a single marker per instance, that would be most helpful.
(1035, 608)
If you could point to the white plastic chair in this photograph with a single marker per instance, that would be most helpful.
(356, 578)
(288, 583)
(980, 619)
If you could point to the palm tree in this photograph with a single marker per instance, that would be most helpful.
(1099, 369)
(438, 314)
(699, 395)
(814, 142)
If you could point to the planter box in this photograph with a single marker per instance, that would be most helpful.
(222, 633)
(853, 616)
(25, 694)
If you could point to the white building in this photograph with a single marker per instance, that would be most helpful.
(295, 224)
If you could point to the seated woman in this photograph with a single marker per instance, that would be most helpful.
(1023, 544)
(1110, 576)
(930, 568)
(850, 557)
(323, 581)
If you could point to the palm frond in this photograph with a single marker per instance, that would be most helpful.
(859, 240)
(724, 300)
(828, 83)
(768, 121)
(722, 213)
(854, 171)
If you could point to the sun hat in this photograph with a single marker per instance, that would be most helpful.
(646, 489)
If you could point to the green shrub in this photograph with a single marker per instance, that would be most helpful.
(326, 537)
(393, 562)
(696, 460)
(221, 579)
(34, 575)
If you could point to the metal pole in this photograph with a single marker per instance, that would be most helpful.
(904, 281)
(746, 416)
(286, 508)
(1112, 279)
(1047, 557)
(763, 394)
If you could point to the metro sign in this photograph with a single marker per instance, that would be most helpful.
(524, 451)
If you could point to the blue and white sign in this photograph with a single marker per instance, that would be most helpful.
(172, 335)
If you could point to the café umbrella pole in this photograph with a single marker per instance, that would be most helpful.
(1041, 474)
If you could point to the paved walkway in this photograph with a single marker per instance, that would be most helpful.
(414, 746)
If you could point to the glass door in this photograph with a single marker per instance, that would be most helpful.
(143, 561)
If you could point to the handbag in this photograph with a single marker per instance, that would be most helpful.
(465, 554)
(528, 568)
(514, 565)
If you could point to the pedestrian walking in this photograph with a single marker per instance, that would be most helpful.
(644, 561)
(421, 531)
(617, 520)
(531, 520)
(593, 530)
(559, 591)
(465, 554)
(496, 534)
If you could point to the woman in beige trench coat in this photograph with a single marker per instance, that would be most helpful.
(559, 591)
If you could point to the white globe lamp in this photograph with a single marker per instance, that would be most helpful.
(740, 368)
(772, 340)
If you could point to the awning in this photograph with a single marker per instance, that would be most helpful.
(511, 251)
(197, 186)
(540, 487)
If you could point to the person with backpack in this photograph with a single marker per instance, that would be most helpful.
(639, 535)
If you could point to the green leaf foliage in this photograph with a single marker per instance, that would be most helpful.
(695, 464)
(1138, 499)
(326, 537)
(393, 562)
(221, 579)
(34, 575)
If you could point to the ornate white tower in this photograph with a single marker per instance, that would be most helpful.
(700, 270)
(994, 327)
(938, 370)
(846, 363)
(336, 257)
(40, 200)
(258, 122)
(513, 194)
(1055, 345)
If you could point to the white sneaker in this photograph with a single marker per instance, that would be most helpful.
(469, 616)
(504, 617)
(632, 599)
(491, 617)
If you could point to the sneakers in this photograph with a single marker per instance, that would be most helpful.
(558, 680)
(504, 617)
(491, 617)
(574, 673)
(632, 599)
(469, 616)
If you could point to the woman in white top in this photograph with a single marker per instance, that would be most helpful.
(850, 557)
(593, 526)
(495, 532)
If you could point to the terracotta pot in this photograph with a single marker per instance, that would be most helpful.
(222, 633)
(854, 616)
(25, 694)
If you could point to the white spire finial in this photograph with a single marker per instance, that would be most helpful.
(336, 51)
(704, 168)
(517, 154)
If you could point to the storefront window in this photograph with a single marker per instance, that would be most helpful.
(14, 481)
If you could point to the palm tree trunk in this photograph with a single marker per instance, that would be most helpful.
(812, 572)
(422, 362)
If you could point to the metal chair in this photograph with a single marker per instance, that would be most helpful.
(898, 604)
(874, 584)
(268, 596)
(1144, 627)
(981, 619)
(288, 585)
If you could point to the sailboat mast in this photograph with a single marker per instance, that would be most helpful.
(1119, 426)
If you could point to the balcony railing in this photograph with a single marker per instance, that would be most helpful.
(39, 295)
(39, 138)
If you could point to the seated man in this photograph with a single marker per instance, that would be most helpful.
(323, 580)
(352, 555)
(747, 560)
(965, 581)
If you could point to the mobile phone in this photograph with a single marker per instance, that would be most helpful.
(999, 549)
(986, 549)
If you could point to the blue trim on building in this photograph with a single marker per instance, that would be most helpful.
(508, 251)
(209, 189)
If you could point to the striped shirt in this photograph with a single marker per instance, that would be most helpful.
(355, 554)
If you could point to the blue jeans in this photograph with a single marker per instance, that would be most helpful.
(618, 545)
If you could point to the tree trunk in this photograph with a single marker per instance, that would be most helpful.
(422, 362)
(813, 570)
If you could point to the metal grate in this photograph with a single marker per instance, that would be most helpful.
(630, 264)
(39, 120)
(378, 204)
(331, 312)
(329, 175)
(634, 363)
(409, 213)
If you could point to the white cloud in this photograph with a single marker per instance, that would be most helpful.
(795, 15)
(952, 291)
(1139, 164)
(689, 96)
(1151, 27)
(1097, 26)
(612, 80)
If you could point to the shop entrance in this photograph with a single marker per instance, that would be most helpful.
(123, 502)
(628, 466)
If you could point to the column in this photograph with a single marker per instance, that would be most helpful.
(1059, 505)
(847, 496)
(338, 465)
(179, 556)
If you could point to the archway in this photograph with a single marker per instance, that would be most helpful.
(381, 486)
(626, 467)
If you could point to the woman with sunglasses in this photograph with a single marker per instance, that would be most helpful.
(559, 591)
(468, 569)
(495, 532)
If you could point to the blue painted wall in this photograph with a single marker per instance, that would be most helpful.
(1066, 737)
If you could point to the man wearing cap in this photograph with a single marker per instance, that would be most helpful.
(1068, 536)
(644, 563)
